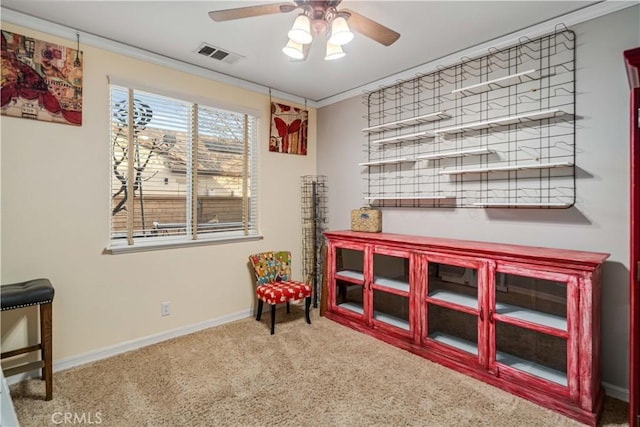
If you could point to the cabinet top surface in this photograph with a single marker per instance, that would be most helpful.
(472, 248)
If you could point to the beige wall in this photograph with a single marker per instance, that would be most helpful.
(55, 221)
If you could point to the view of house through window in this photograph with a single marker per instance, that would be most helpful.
(180, 171)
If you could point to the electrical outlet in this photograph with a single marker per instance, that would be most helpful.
(165, 309)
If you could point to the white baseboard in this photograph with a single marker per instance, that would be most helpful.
(92, 356)
(615, 391)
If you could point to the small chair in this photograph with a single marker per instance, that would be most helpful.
(273, 277)
(33, 292)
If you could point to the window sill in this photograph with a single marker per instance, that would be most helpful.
(176, 244)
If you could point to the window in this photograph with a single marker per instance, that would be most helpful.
(180, 171)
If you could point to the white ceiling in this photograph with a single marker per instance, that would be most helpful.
(175, 29)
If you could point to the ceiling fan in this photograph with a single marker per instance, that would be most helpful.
(316, 18)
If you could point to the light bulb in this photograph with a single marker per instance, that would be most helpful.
(301, 30)
(293, 50)
(340, 33)
(334, 51)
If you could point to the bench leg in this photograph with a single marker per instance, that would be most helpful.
(46, 340)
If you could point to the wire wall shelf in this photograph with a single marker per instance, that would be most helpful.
(492, 131)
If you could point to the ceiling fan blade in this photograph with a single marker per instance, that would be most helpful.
(250, 11)
(371, 29)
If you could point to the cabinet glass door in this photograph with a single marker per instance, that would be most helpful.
(391, 290)
(453, 328)
(349, 281)
(536, 353)
(453, 308)
(530, 318)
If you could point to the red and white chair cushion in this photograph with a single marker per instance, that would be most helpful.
(286, 290)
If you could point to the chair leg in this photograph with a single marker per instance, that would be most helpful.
(259, 311)
(307, 306)
(47, 346)
(273, 318)
(288, 308)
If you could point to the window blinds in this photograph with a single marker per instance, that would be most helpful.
(180, 170)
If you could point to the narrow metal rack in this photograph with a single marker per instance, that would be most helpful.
(314, 221)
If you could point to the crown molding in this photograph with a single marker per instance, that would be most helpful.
(37, 24)
(585, 14)
(577, 17)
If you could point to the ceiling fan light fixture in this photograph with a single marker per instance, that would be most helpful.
(334, 51)
(293, 50)
(301, 30)
(340, 33)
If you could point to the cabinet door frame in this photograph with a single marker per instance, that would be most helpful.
(412, 333)
(481, 266)
(332, 277)
(572, 334)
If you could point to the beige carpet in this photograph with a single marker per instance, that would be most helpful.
(321, 374)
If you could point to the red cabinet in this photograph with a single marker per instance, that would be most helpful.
(525, 319)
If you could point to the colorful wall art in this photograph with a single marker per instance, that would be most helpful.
(288, 129)
(41, 80)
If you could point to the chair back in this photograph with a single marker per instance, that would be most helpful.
(270, 267)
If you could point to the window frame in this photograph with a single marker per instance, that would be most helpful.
(250, 229)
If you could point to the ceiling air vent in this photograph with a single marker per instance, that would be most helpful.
(218, 54)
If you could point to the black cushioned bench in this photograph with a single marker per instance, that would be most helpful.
(25, 294)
